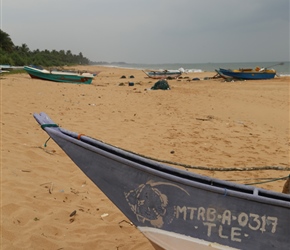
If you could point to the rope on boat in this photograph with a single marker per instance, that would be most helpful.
(202, 167)
(45, 144)
(223, 169)
(48, 125)
(267, 180)
(261, 178)
(271, 180)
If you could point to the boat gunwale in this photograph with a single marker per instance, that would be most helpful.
(168, 172)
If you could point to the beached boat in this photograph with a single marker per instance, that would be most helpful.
(163, 74)
(59, 76)
(177, 209)
(7, 68)
(247, 74)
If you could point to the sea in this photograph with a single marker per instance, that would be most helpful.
(282, 68)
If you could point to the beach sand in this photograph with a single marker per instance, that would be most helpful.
(208, 123)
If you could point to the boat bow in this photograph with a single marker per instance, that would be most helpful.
(171, 206)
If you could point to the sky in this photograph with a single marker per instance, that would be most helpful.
(153, 31)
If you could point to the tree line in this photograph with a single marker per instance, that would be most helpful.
(11, 54)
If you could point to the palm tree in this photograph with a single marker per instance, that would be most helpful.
(6, 42)
(24, 48)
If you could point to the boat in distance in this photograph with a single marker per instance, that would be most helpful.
(59, 76)
(177, 209)
(247, 74)
(163, 74)
(4, 68)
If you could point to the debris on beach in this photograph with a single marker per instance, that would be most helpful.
(104, 215)
(161, 84)
(125, 221)
(73, 213)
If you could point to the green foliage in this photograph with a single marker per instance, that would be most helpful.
(20, 60)
(22, 55)
(5, 58)
(6, 43)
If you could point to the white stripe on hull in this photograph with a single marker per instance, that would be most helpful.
(173, 241)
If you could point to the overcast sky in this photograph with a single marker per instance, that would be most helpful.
(153, 31)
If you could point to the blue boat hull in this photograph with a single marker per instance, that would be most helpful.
(172, 206)
(58, 76)
(247, 75)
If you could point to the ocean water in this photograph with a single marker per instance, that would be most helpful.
(282, 70)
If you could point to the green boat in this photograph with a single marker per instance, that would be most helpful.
(59, 76)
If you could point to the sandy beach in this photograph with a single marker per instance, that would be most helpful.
(209, 123)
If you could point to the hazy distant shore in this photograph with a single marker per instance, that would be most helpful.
(205, 67)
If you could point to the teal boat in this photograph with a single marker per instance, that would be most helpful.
(59, 76)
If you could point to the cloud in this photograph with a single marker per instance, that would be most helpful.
(153, 31)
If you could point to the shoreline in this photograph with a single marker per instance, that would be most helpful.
(283, 70)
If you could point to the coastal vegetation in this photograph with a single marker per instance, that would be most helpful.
(11, 54)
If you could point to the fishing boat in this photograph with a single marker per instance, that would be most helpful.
(177, 209)
(7, 68)
(247, 74)
(59, 76)
(163, 74)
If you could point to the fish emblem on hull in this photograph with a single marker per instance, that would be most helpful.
(152, 205)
